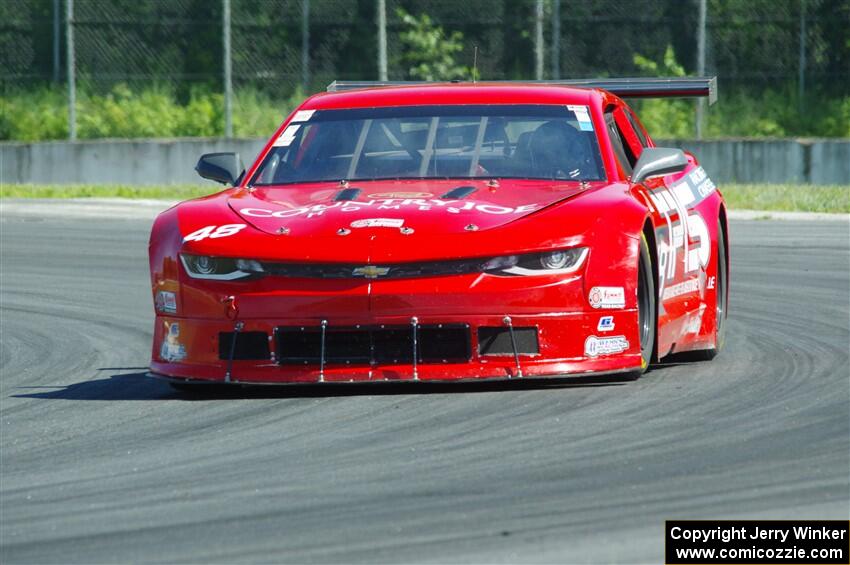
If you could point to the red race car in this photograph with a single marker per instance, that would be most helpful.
(442, 232)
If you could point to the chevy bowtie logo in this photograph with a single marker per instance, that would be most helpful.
(370, 271)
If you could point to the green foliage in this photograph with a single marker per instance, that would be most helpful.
(776, 112)
(160, 111)
(256, 114)
(34, 115)
(154, 112)
(664, 118)
(428, 53)
(669, 67)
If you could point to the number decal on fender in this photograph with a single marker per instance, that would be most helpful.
(215, 231)
(688, 234)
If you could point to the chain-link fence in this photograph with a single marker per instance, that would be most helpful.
(162, 54)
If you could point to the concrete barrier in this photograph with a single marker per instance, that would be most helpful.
(814, 161)
(172, 161)
(115, 161)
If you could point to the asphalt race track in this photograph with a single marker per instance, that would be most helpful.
(100, 464)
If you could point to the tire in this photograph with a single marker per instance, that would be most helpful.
(647, 302)
(721, 291)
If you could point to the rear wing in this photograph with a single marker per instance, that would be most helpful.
(679, 87)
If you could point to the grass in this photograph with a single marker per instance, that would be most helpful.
(153, 192)
(772, 197)
(788, 197)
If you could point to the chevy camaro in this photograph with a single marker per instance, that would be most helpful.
(445, 232)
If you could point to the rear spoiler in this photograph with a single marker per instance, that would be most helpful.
(679, 87)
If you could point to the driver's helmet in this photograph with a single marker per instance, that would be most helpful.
(557, 150)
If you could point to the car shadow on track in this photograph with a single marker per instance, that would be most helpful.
(138, 386)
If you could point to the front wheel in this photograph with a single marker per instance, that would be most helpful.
(647, 308)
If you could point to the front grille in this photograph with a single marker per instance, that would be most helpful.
(496, 340)
(387, 271)
(438, 343)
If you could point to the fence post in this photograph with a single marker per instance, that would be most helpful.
(556, 39)
(228, 70)
(305, 46)
(700, 64)
(801, 80)
(56, 39)
(538, 40)
(382, 39)
(72, 85)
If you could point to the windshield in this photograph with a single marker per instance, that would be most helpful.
(415, 142)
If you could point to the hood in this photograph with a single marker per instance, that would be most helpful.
(428, 207)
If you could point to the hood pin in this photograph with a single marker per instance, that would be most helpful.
(283, 231)
(471, 227)
(406, 230)
(343, 231)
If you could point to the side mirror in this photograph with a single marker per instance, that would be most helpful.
(657, 161)
(225, 168)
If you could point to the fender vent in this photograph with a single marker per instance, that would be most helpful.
(497, 341)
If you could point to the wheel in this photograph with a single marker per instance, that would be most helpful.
(647, 308)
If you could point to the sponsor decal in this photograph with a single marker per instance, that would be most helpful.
(303, 115)
(595, 346)
(286, 138)
(401, 195)
(582, 115)
(166, 301)
(700, 180)
(606, 324)
(685, 287)
(172, 350)
(710, 285)
(214, 232)
(607, 297)
(378, 223)
(450, 206)
(688, 233)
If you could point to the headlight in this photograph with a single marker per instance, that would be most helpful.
(558, 262)
(219, 268)
(555, 260)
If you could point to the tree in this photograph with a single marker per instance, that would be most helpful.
(428, 53)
